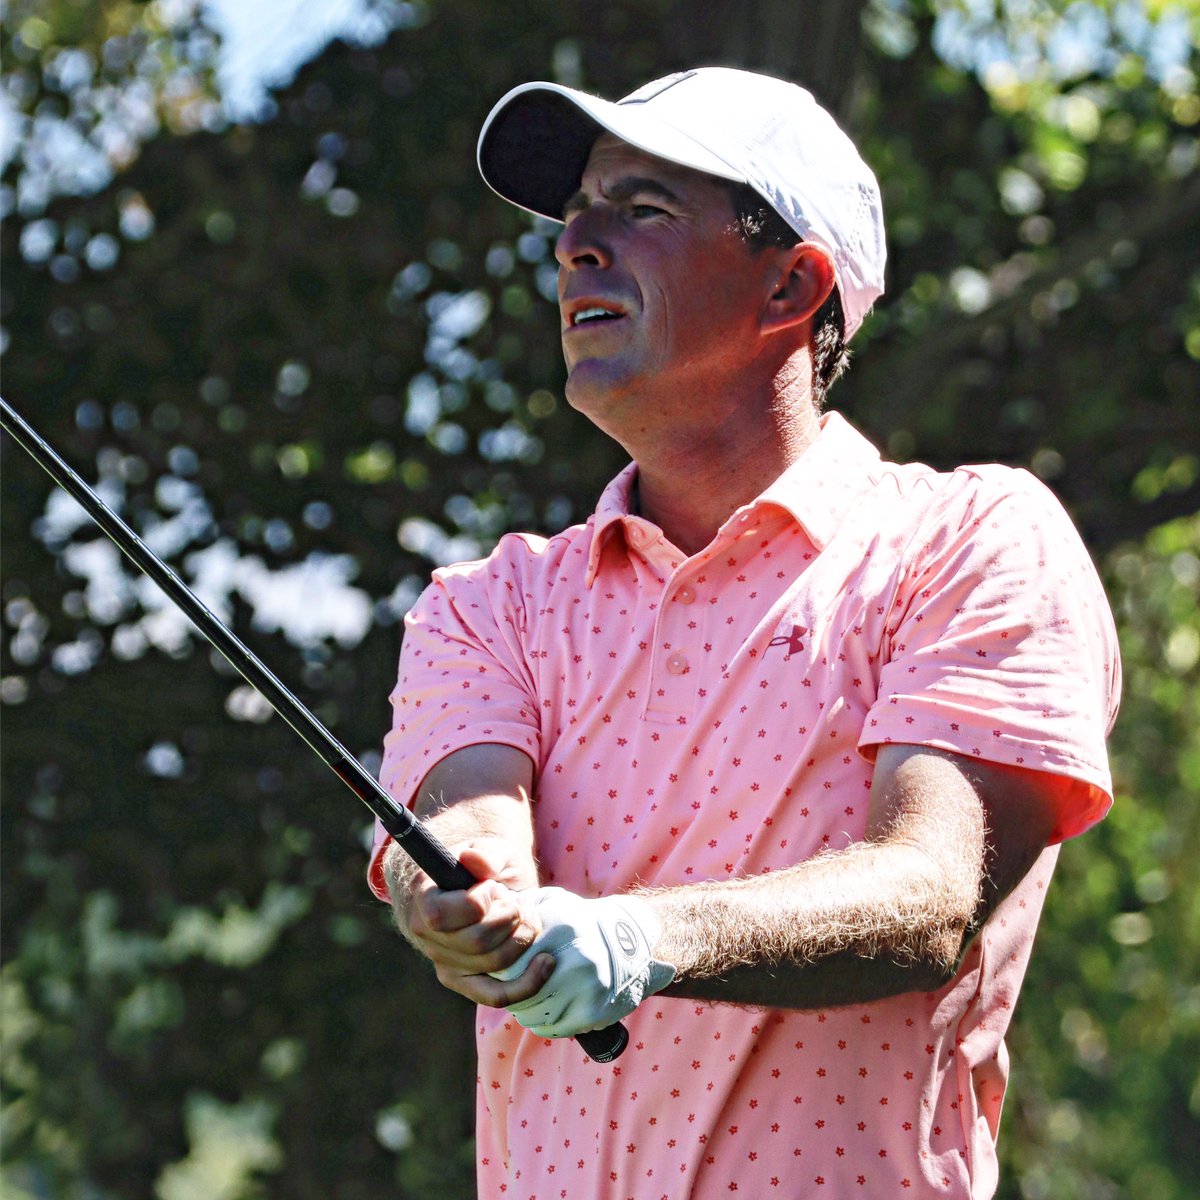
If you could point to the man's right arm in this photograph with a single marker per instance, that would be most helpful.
(477, 802)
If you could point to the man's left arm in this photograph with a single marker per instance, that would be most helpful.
(977, 656)
(948, 838)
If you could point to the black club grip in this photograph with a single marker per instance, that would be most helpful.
(603, 1045)
(600, 1045)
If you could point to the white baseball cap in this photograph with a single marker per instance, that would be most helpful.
(737, 125)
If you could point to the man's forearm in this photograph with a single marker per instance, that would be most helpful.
(480, 793)
(850, 926)
(489, 817)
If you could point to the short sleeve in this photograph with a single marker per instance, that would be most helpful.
(463, 681)
(1000, 643)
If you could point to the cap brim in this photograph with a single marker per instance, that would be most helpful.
(535, 143)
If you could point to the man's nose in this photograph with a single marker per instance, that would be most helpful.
(582, 242)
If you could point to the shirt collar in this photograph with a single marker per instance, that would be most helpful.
(821, 485)
(817, 490)
(612, 516)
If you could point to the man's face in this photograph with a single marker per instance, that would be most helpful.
(660, 297)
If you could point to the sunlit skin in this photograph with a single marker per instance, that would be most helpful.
(703, 372)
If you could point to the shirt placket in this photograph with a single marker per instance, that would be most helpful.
(673, 650)
(675, 668)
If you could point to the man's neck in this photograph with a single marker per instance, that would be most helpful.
(692, 487)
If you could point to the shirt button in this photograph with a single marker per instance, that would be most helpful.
(686, 594)
(677, 663)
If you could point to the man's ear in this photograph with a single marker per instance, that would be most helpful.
(801, 287)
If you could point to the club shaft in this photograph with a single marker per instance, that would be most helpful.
(423, 847)
(396, 819)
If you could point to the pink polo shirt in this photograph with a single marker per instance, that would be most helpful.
(717, 716)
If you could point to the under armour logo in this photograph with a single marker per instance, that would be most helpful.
(791, 641)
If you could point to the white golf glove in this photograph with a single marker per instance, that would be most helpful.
(605, 965)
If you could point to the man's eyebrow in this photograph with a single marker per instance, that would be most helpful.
(624, 189)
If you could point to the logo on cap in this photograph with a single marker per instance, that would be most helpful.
(650, 90)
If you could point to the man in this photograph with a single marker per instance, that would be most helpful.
(771, 756)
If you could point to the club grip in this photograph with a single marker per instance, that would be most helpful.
(603, 1045)
(433, 857)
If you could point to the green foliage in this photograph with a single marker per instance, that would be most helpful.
(1106, 1095)
(96, 79)
(229, 1144)
(310, 357)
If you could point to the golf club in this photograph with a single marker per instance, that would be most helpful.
(602, 1045)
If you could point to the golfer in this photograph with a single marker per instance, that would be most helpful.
(771, 757)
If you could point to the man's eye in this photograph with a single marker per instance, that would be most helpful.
(647, 210)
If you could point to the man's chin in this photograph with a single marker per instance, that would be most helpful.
(597, 388)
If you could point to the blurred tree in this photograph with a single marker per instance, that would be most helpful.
(88, 82)
(311, 357)
(1107, 1038)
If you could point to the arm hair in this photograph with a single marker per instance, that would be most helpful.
(947, 840)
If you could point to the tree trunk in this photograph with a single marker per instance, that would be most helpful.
(814, 43)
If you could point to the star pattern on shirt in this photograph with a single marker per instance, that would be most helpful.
(673, 742)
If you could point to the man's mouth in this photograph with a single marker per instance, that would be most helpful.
(593, 314)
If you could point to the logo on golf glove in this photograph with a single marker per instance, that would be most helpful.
(604, 963)
(627, 939)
